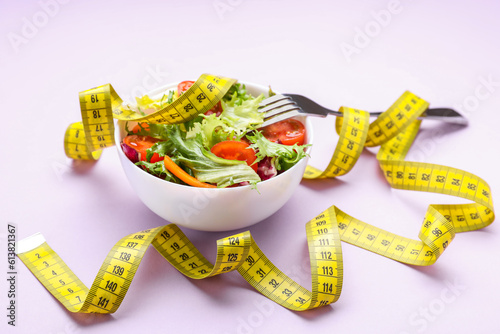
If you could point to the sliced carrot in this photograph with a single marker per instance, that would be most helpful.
(181, 174)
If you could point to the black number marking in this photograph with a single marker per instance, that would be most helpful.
(125, 256)
(261, 272)
(321, 222)
(111, 286)
(234, 241)
(250, 260)
(201, 97)
(131, 244)
(440, 178)
(117, 270)
(328, 287)
(273, 283)
(327, 270)
(323, 242)
(188, 107)
(232, 257)
(300, 300)
(326, 255)
(322, 230)
(103, 302)
(437, 232)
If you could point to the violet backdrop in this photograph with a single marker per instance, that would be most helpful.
(361, 54)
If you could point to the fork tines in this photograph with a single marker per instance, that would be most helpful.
(277, 108)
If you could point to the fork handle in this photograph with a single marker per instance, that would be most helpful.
(446, 115)
(440, 114)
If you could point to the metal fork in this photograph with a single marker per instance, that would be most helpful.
(283, 106)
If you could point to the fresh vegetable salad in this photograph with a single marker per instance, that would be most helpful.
(222, 148)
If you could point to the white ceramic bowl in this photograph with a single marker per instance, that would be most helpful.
(209, 209)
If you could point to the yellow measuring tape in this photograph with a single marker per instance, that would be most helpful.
(86, 139)
(394, 130)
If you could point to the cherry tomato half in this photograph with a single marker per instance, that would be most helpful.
(287, 132)
(183, 86)
(141, 144)
(235, 150)
(217, 110)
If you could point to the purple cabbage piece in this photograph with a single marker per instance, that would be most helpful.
(131, 154)
(266, 169)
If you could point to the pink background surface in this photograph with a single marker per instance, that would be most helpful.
(443, 52)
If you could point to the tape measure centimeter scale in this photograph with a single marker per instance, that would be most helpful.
(86, 139)
(394, 130)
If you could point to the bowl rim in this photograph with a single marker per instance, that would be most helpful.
(172, 85)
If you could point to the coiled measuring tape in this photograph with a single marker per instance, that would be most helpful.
(394, 131)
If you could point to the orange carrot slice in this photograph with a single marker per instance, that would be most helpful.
(181, 174)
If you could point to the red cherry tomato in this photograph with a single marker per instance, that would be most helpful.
(185, 85)
(287, 132)
(141, 144)
(235, 150)
(217, 110)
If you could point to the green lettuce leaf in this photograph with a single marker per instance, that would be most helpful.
(158, 131)
(213, 130)
(236, 95)
(158, 169)
(244, 116)
(284, 156)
